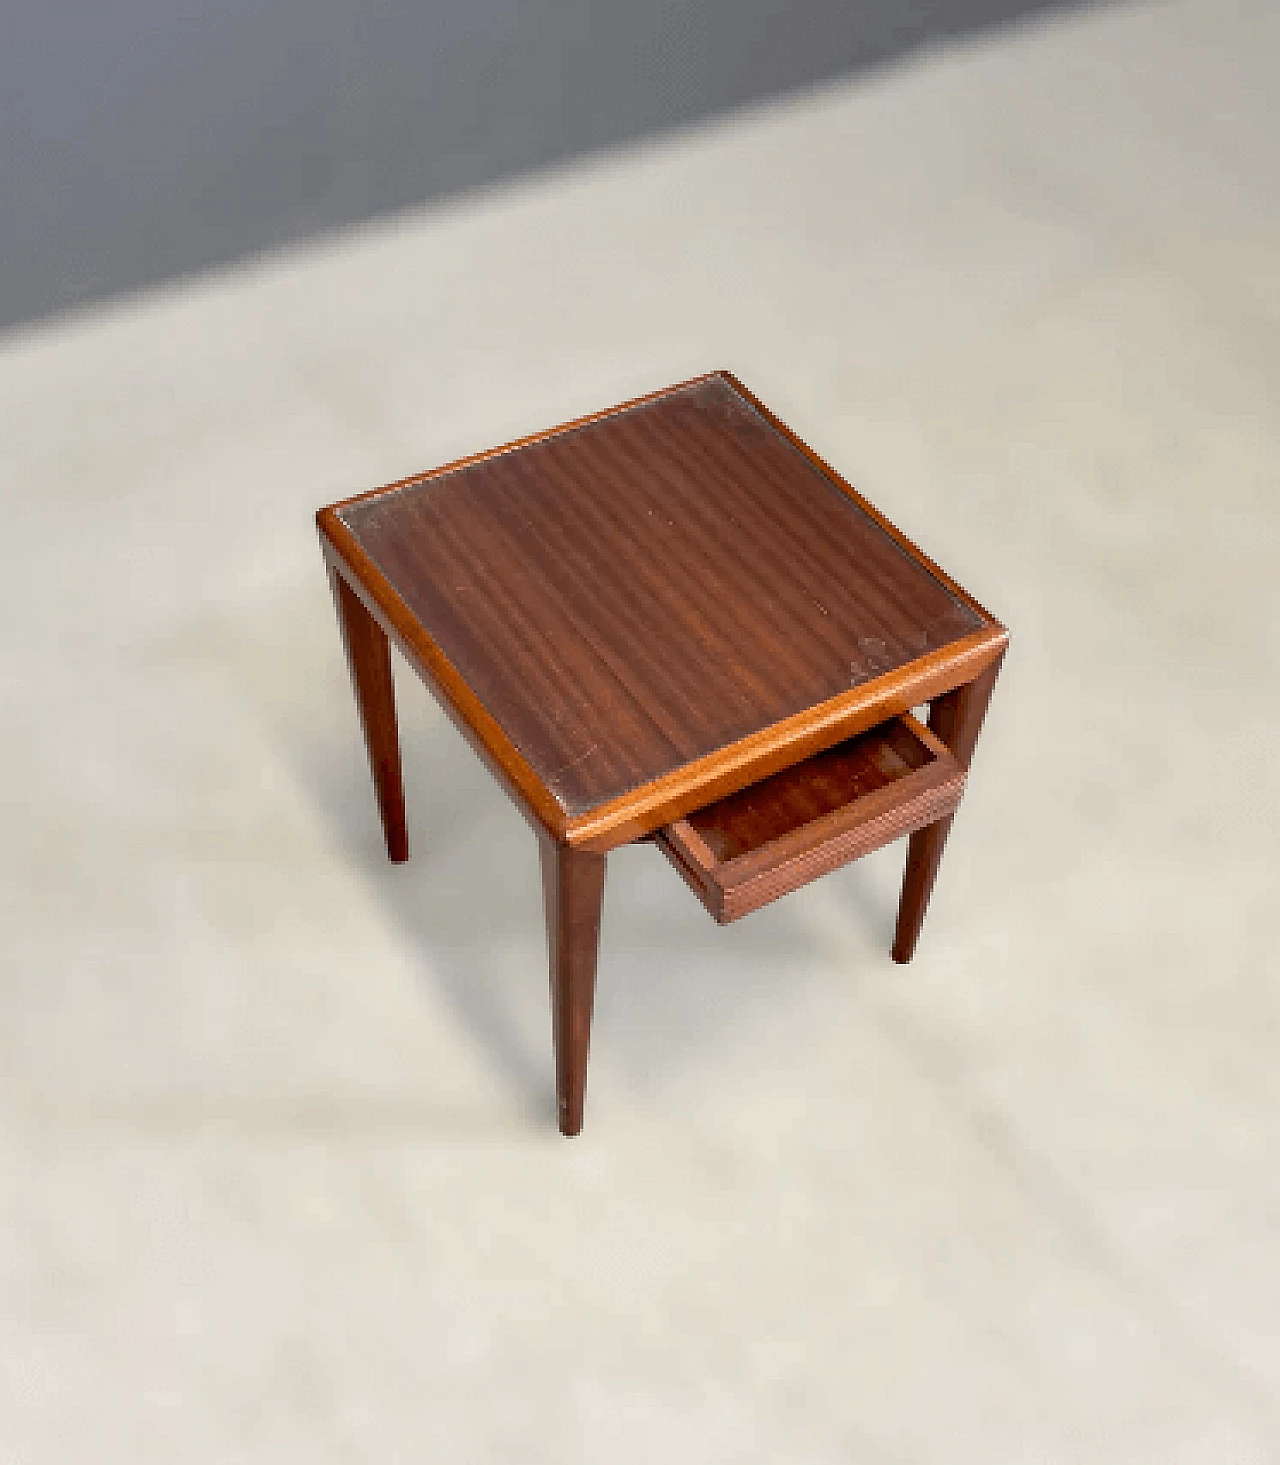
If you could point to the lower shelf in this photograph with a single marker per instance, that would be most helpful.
(777, 835)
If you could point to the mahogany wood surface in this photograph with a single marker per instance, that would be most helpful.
(573, 890)
(633, 816)
(369, 660)
(657, 605)
(956, 720)
(828, 781)
(770, 839)
(670, 616)
(466, 713)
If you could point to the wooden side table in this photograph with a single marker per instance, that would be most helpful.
(670, 620)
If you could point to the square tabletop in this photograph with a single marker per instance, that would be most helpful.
(645, 609)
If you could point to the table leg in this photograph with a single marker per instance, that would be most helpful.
(956, 718)
(369, 657)
(573, 889)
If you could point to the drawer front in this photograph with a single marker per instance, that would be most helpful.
(765, 841)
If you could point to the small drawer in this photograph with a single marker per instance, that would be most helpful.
(776, 835)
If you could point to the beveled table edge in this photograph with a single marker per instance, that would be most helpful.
(715, 775)
(639, 811)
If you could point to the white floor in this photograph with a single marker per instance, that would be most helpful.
(278, 1176)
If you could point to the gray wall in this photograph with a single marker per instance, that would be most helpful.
(147, 138)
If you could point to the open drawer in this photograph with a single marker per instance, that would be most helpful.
(771, 838)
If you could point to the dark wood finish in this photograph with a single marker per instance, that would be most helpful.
(573, 890)
(762, 843)
(369, 659)
(665, 601)
(956, 720)
(867, 507)
(649, 611)
(830, 780)
(460, 704)
(634, 816)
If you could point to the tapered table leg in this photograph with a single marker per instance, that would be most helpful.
(573, 888)
(957, 719)
(369, 657)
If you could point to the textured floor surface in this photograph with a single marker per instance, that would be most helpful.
(278, 1177)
